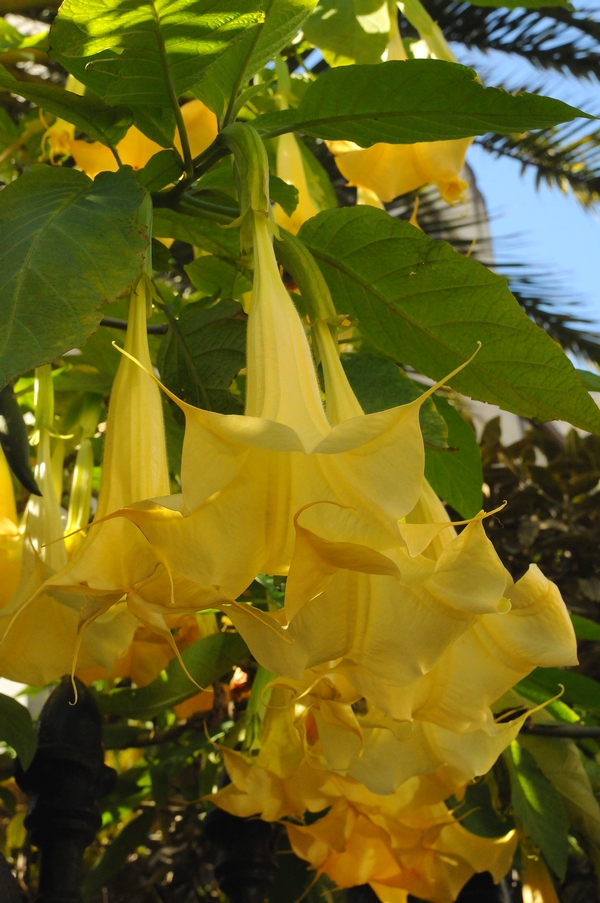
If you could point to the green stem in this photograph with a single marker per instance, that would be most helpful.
(183, 135)
(218, 213)
(230, 112)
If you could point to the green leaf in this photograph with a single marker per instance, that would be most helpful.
(456, 476)
(16, 729)
(215, 339)
(207, 661)
(128, 46)
(539, 807)
(585, 629)
(590, 380)
(413, 100)
(476, 812)
(162, 169)
(128, 840)
(283, 194)
(544, 683)
(217, 277)
(261, 42)
(68, 246)
(379, 384)
(349, 31)
(560, 761)
(90, 114)
(420, 302)
(202, 233)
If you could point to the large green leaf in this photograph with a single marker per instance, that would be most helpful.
(413, 100)
(207, 661)
(214, 353)
(456, 476)
(16, 729)
(560, 761)
(260, 43)
(539, 807)
(349, 31)
(68, 245)
(129, 46)
(201, 233)
(420, 302)
(379, 384)
(90, 114)
(217, 277)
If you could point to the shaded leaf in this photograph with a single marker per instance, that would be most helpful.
(217, 277)
(456, 476)
(15, 440)
(585, 629)
(68, 246)
(16, 729)
(421, 303)
(539, 807)
(413, 100)
(590, 380)
(215, 340)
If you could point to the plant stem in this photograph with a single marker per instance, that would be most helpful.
(183, 135)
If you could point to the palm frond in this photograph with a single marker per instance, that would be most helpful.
(553, 38)
(566, 157)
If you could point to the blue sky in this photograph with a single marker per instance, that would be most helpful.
(549, 229)
(543, 226)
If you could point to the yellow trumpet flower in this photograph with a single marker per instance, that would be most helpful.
(135, 149)
(115, 561)
(10, 536)
(399, 843)
(290, 168)
(385, 171)
(38, 632)
(244, 477)
(389, 170)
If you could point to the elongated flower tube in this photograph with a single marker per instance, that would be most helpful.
(389, 170)
(244, 477)
(290, 168)
(10, 537)
(38, 632)
(135, 149)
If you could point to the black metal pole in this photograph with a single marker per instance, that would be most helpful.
(245, 861)
(64, 783)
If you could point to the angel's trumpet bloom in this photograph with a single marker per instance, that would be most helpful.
(244, 477)
(386, 171)
(37, 631)
(115, 562)
(406, 841)
(290, 168)
(10, 537)
(135, 149)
